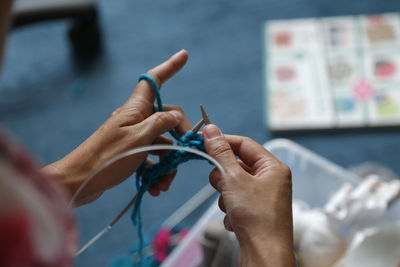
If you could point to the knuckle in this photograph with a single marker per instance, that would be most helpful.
(221, 148)
(247, 139)
(140, 101)
(285, 173)
(160, 117)
(133, 112)
(137, 116)
(286, 170)
(178, 108)
(115, 112)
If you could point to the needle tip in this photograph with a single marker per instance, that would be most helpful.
(205, 116)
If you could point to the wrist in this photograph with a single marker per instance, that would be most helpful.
(57, 171)
(260, 247)
(72, 170)
(267, 252)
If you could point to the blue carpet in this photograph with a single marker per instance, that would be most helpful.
(41, 105)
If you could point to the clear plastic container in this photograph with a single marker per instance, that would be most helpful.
(314, 178)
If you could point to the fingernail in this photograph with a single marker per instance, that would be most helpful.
(211, 131)
(176, 114)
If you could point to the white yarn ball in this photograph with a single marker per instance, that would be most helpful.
(321, 244)
(300, 222)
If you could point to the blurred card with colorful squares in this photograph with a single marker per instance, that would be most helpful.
(333, 72)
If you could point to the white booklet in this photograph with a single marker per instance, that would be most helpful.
(333, 72)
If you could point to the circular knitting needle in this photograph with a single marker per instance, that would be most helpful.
(127, 207)
(108, 227)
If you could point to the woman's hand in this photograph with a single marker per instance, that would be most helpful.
(256, 196)
(132, 125)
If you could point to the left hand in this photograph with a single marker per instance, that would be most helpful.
(256, 195)
(131, 125)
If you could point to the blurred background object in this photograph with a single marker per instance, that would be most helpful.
(339, 72)
(52, 105)
(84, 32)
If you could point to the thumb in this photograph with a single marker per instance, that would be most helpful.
(159, 123)
(218, 147)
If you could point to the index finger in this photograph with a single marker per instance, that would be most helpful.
(248, 150)
(160, 74)
(184, 125)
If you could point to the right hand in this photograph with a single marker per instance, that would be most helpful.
(132, 125)
(256, 196)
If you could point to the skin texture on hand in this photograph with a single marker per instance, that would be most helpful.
(256, 196)
(132, 125)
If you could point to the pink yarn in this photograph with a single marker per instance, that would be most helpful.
(161, 243)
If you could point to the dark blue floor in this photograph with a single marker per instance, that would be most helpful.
(41, 105)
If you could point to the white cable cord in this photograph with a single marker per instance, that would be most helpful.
(127, 154)
(193, 203)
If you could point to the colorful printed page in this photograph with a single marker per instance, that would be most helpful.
(333, 72)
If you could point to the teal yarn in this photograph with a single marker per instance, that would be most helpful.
(147, 177)
(156, 90)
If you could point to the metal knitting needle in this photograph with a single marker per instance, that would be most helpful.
(127, 207)
(198, 125)
(205, 116)
(108, 227)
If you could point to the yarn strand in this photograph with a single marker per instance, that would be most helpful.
(147, 177)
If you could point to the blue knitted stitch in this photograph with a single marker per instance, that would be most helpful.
(146, 178)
